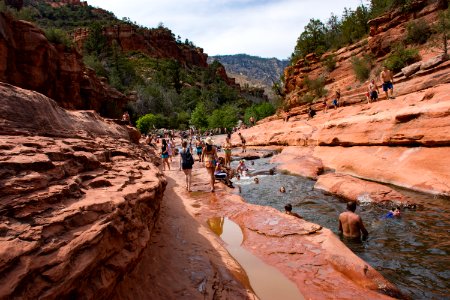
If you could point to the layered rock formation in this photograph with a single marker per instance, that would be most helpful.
(78, 199)
(30, 61)
(158, 43)
(402, 142)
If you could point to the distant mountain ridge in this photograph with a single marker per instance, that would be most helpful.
(253, 70)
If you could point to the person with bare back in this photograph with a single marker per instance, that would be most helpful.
(350, 224)
(388, 82)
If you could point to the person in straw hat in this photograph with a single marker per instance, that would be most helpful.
(209, 157)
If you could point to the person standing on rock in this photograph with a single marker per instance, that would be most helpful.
(243, 141)
(227, 150)
(209, 157)
(165, 155)
(252, 121)
(199, 146)
(388, 82)
(337, 98)
(350, 224)
(186, 163)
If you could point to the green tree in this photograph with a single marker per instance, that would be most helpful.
(96, 43)
(148, 122)
(312, 40)
(199, 116)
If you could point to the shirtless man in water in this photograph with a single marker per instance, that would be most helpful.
(350, 224)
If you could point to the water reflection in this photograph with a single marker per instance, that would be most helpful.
(411, 251)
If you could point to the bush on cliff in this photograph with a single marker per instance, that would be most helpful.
(316, 87)
(59, 37)
(400, 57)
(418, 32)
(361, 67)
(330, 62)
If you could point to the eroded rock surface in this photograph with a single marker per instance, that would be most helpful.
(78, 200)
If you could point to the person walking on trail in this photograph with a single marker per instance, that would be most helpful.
(227, 150)
(337, 99)
(388, 82)
(165, 155)
(186, 163)
(350, 224)
(199, 146)
(243, 141)
(373, 91)
(209, 157)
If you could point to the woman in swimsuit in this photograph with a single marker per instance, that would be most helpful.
(165, 155)
(227, 149)
(209, 157)
(199, 147)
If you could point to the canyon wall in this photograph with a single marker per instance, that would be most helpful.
(157, 43)
(30, 61)
(402, 141)
(78, 199)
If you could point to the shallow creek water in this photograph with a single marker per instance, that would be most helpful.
(266, 281)
(412, 251)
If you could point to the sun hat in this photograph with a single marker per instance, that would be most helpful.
(209, 140)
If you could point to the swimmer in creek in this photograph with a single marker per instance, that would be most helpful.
(282, 189)
(288, 211)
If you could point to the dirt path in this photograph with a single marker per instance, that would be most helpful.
(185, 260)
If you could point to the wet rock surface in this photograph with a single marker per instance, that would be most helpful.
(75, 214)
(359, 190)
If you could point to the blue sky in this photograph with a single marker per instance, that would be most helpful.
(266, 28)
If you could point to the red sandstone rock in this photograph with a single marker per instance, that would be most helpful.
(355, 189)
(158, 43)
(299, 161)
(75, 217)
(30, 61)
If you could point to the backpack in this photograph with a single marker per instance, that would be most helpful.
(186, 159)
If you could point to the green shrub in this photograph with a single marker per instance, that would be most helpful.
(330, 62)
(418, 32)
(224, 117)
(316, 87)
(401, 57)
(149, 122)
(361, 68)
(259, 111)
(58, 37)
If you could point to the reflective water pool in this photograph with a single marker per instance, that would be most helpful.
(411, 251)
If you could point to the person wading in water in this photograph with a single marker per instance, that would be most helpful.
(209, 157)
(350, 224)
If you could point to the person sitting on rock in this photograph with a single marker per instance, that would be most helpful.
(373, 91)
(126, 117)
(242, 168)
(220, 173)
(311, 112)
(350, 224)
(288, 211)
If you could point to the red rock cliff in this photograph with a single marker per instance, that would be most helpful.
(78, 200)
(158, 43)
(29, 60)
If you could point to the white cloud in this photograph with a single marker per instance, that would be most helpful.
(267, 28)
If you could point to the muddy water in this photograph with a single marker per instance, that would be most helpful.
(412, 251)
(266, 281)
